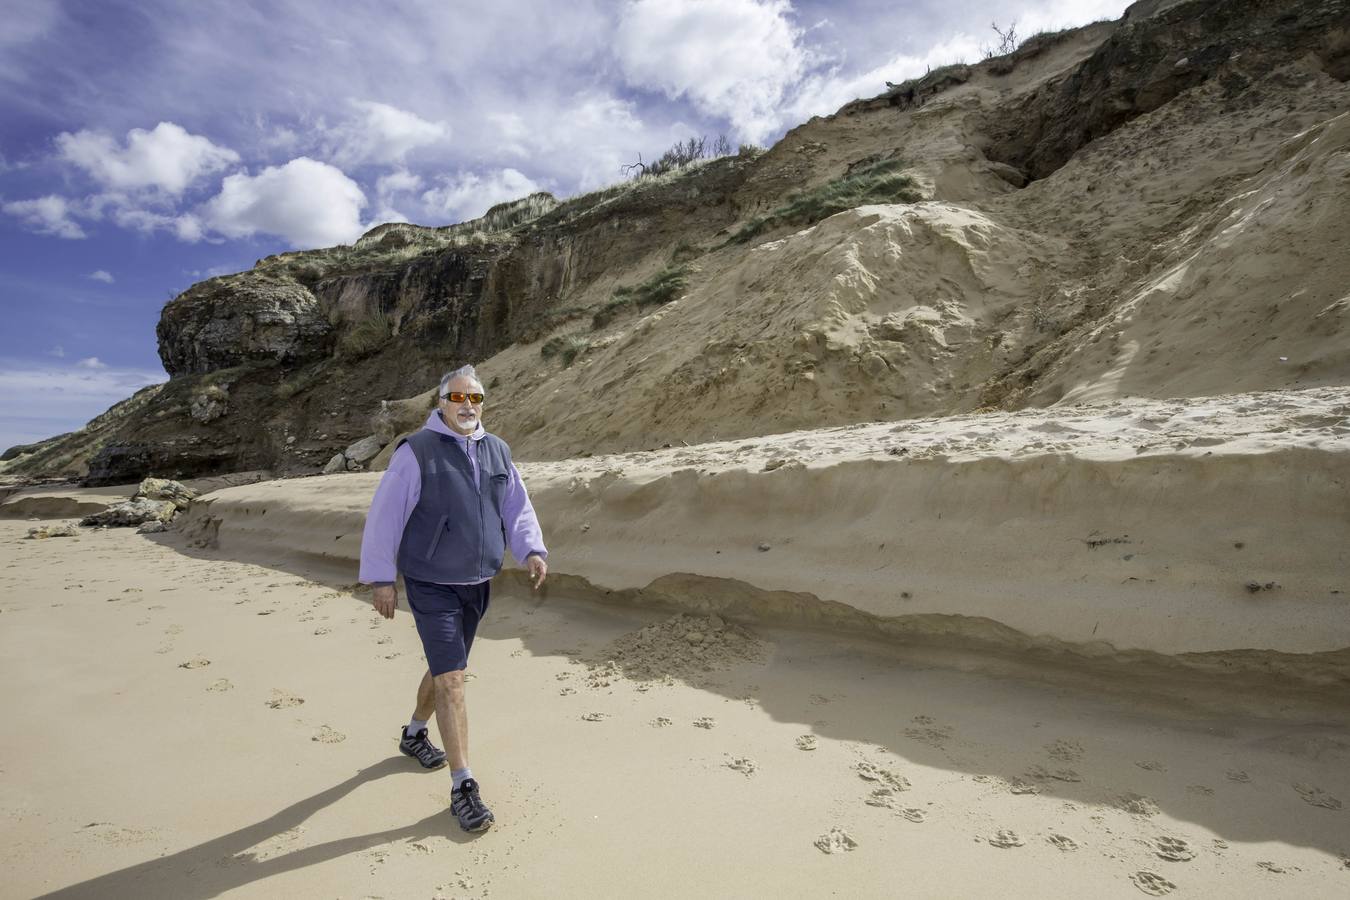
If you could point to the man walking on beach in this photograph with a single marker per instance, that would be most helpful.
(447, 508)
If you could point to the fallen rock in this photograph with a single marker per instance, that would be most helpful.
(337, 464)
(154, 527)
(364, 450)
(177, 493)
(64, 529)
(132, 512)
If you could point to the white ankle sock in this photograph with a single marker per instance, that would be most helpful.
(415, 726)
(460, 776)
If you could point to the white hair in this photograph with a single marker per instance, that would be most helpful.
(465, 371)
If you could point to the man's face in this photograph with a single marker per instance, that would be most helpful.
(464, 416)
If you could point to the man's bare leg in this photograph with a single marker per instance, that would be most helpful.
(426, 698)
(452, 715)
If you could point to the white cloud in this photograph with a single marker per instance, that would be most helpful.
(48, 215)
(397, 189)
(92, 362)
(41, 402)
(167, 159)
(58, 351)
(823, 94)
(308, 203)
(468, 195)
(381, 134)
(102, 275)
(731, 58)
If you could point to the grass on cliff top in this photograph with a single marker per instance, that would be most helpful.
(663, 287)
(882, 182)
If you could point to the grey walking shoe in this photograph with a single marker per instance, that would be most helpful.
(420, 748)
(469, 809)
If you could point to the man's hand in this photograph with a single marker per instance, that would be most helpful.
(386, 600)
(538, 570)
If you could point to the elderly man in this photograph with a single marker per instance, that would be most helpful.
(449, 505)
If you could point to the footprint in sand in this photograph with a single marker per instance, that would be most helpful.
(910, 814)
(1005, 839)
(660, 722)
(1018, 786)
(172, 629)
(220, 685)
(743, 764)
(806, 742)
(837, 841)
(326, 735)
(705, 722)
(1238, 775)
(1137, 805)
(1068, 751)
(1173, 849)
(567, 691)
(282, 700)
(1200, 790)
(1152, 883)
(1315, 796)
(1063, 842)
(1041, 773)
(197, 662)
(883, 797)
(322, 630)
(1272, 868)
(594, 717)
(1150, 765)
(869, 771)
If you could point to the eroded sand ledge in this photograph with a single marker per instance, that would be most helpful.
(1173, 527)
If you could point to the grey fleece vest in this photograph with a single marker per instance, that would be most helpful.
(455, 534)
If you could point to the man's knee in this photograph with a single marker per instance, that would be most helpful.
(450, 684)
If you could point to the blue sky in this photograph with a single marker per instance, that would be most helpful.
(147, 145)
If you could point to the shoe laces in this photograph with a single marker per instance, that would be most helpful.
(468, 793)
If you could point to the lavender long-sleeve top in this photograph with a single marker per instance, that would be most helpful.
(399, 491)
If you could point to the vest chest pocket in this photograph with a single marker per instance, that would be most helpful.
(497, 482)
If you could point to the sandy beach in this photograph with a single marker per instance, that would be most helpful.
(212, 711)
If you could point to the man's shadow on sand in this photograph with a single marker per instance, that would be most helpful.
(219, 865)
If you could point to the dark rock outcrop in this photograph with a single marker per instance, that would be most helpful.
(228, 321)
(1155, 53)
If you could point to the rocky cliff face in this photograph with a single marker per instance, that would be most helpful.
(1144, 207)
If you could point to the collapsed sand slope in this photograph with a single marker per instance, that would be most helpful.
(1173, 527)
(878, 312)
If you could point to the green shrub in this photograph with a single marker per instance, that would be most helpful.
(882, 182)
(366, 336)
(566, 347)
(663, 287)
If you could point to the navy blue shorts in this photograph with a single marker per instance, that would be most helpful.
(447, 617)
